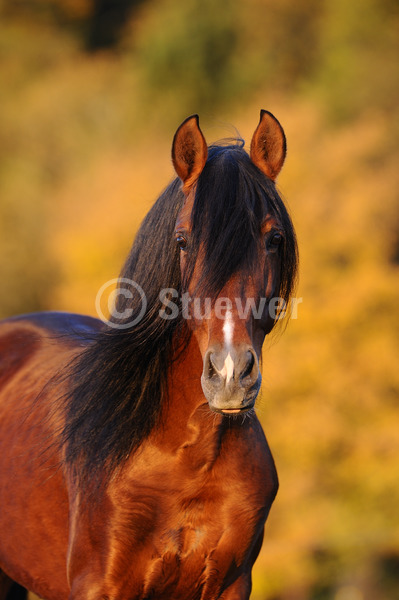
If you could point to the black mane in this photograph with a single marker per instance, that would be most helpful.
(118, 384)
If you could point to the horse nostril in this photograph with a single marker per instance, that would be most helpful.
(211, 371)
(211, 368)
(248, 368)
(246, 372)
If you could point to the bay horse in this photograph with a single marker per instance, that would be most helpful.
(132, 463)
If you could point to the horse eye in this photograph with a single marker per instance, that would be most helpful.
(181, 242)
(276, 240)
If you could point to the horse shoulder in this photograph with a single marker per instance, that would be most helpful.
(33, 352)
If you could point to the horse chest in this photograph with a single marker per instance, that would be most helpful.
(185, 546)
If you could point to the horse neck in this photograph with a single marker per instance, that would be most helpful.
(187, 419)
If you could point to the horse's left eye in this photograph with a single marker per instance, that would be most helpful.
(181, 242)
(275, 240)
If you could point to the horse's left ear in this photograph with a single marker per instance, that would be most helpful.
(268, 146)
(189, 151)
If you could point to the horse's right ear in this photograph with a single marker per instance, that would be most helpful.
(189, 151)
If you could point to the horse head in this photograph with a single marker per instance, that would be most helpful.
(233, 234)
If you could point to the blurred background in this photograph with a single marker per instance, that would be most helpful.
(91, 93)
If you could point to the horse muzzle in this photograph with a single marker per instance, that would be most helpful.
(231, 379)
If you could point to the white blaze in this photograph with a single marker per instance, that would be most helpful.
(228, 328)
(228, 368)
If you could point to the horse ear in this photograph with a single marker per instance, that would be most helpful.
(189, 151)
(268, 145)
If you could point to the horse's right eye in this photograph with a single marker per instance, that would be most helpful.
(181, 242)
